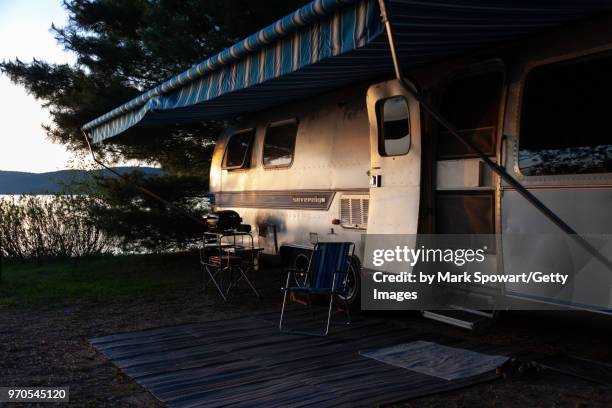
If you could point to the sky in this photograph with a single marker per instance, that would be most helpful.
(24, 33)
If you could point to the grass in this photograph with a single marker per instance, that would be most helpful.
(96, 278)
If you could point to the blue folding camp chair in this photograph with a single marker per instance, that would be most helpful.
(326, 275)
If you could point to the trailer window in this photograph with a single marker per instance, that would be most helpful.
(237, 153)
(565, 118)
(279, 144)
(394, 126)
(471, 103)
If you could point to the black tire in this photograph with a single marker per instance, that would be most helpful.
(353, 298)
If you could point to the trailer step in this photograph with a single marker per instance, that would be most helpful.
(461, 318)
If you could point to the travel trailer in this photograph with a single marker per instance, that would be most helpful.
(340, 148)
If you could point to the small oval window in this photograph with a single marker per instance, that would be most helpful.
(394, 126)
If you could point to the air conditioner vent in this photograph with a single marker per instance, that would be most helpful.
(354, 211)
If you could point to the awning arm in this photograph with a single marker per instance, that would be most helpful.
(143, 190)
(391, 39)
(496, 168)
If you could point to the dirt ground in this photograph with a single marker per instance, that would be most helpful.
(50, 347)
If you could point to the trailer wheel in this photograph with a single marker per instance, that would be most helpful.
(353, 280)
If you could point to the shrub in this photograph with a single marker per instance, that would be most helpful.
(37, 227)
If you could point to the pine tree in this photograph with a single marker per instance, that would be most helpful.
(124, 48)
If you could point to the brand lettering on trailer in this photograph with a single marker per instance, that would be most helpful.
(306, 200)
(303, 200)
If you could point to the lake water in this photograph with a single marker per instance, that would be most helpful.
(26, 195)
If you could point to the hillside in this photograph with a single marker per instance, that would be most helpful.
(17, 182)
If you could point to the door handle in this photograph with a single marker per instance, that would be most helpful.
(376, 181)
(503, 151)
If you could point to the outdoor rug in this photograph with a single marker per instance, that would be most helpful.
(449, 363)
(246, 362)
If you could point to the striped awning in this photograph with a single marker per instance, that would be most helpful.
(328, 44)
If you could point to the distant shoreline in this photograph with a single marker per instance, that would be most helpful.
(18, 183)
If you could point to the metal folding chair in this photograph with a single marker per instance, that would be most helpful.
(229, 262)
(327, 271)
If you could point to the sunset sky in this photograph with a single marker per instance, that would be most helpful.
(24, 34)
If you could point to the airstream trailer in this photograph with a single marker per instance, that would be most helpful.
(365, 159)
(337, 147)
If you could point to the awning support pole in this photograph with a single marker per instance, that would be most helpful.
(139, 188)
(496, 168)
(385, 19)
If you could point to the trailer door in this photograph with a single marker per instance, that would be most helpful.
(395, 161)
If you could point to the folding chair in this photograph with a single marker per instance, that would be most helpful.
(229, 262)
(327, 271)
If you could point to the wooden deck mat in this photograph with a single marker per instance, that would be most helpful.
(246, 362)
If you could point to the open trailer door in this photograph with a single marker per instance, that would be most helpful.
(395, 164)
